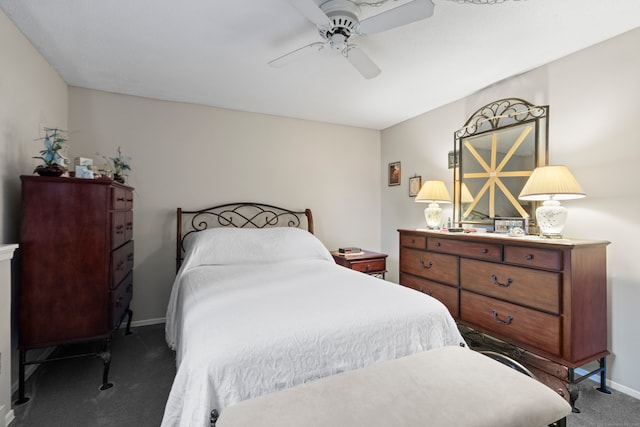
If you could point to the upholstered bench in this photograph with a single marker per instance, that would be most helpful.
(450, 386)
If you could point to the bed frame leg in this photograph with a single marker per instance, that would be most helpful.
(214, 417)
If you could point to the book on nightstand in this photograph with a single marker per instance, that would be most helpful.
(349, 250)
(351, 254)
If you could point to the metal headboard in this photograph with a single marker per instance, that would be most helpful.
(239, 215)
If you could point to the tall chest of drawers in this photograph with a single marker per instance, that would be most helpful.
(76, 262)
(543, 295)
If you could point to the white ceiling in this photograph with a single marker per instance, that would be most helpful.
(215, 52)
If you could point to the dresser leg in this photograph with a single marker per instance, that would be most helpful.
(130, 314)
(106, 360)
(21, 363)
(603, 376)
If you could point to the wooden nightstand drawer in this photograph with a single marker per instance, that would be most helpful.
(411, 241)
(511, 322)
(369, 266)
(532, 288)
(430, 265)
(480, 250)
(533, 257)
(448, 295)
(372, 263)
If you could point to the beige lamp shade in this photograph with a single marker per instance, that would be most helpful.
(465, 194)
(433, 191)
(551, 183)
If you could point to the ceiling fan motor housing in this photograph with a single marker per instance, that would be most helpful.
(344, 18)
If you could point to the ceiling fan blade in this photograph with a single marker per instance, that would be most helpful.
(293, 56)
(407, 13)
(362, 62)
(312, 12)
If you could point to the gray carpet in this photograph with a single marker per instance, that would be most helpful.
(66, 393)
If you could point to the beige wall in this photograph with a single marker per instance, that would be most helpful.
(193, 157)
(32, 95)
(593, 129)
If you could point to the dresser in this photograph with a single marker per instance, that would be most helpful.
(547, 296)
(77, 263)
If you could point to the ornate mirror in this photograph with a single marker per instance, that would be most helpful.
(495, 153)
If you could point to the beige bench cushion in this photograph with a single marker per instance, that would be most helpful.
(450, 386)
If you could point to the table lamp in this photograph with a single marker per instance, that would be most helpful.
(551, 184)
(433, 192)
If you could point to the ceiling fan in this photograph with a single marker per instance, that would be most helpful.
(338, 21)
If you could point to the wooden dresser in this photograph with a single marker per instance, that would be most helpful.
(77, 263)
(542, 295)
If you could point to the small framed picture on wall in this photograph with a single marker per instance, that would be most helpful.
(394, 173)
(415, 183)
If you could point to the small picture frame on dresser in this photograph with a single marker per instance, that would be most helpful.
(505, 225)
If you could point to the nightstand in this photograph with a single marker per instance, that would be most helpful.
(372, 263)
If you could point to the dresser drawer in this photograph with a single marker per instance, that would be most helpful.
(120, 299)
(480, 250)
(118, 198)
(430, 265)
(413, 241)
(121, 263)
(128, 226)
(513, 323)
(533, 257)
(128, 199)
(118, 229)
(532, 288)
(448, 295)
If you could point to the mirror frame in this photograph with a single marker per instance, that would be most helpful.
(502, 115)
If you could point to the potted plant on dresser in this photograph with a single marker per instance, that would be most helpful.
(53, 159)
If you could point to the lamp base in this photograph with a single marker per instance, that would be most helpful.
(433, 216)
(551, 218)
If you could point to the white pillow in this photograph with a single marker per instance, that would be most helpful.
(230, 245)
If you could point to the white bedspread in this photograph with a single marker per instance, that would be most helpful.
(241, 331)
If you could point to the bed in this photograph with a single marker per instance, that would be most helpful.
(259, 305)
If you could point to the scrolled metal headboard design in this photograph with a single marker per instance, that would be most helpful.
(238, 215)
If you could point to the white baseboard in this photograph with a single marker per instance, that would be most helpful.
(147, 322)
(10, 416)
(612, 384)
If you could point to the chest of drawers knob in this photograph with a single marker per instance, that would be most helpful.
(502, 322)
(529, 257)
(495, 281)
(484, 250)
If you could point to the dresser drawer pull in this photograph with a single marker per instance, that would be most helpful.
(430, 293)
(528, 257)
(484, 250)
(130, 257)
(437, 244)
(119, 199)
(427, 265)
(366, 269)
(120, 266)
(118, 302)
(502, 322)
(494, 279)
